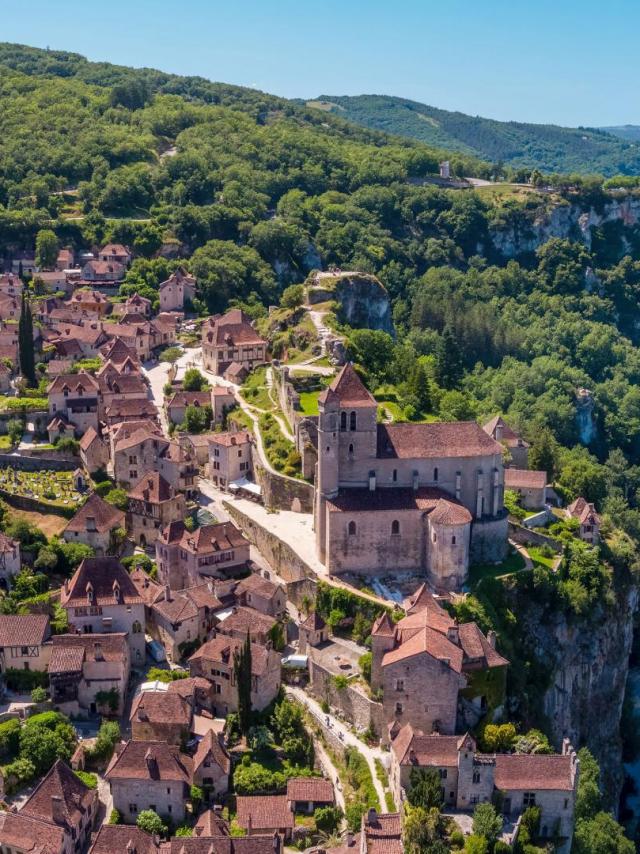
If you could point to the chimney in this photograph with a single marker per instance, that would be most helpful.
(57, 810)
(97, 651)
(491, 637)
(372, 816)
(453, 634)
(350, 838)
(66, 587)
(167, 593)
(415, 481)
(499, 430)
(150, 760)
(372, 481)
(91, 523)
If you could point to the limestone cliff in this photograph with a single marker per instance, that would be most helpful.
(570, 220)
(588, 661)
(361, 299)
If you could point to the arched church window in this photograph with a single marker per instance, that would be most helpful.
(434, 538)
(435, 474)
(395, 475)
(343, 420)
(453, 540)
(351, 448)
(352, 421)
(352, 529)
(395, 527)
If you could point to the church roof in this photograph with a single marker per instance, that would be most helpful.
(426, 498)
(349, 389)
(443, 439)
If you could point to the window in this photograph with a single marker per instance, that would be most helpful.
(566, 803)
(352, 421)
(476, 777)
(352, 529)
(343, 420)
(395, 527)
(351, 449)
(443, 773)
(453, 540)
(529, 799)
(434, 538)
(133, 807)
(394, 476)
(24, 650)
(169, 808)
(168, 790)
(435, 474)
(399, 684)
(136, 627)
(239, 453)
(398, 708)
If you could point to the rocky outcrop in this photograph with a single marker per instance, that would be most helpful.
(361, 299)
(568, 220)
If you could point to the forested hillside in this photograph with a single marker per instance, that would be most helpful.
(549, 148)
(252, 193)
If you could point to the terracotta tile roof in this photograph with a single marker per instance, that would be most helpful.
(69, 652)
(160, 707)
(204, 540)
(118, 839)
(179, 275)
(524, 479)
(422, 598)
(415, 748)
(509, 437)
(209, 745)
(221, 649)
(476, 647)
(26, 630)
(60, 782)
(235, 369)
(28, 834)
(101, 573)
(89, 437)
(431, 615)
(203, 596)
(150, 760)
(255, 844)
(74, 383)
(177, 608)
(264, 812)
(124, 384)
(348, 389)
(383, 626)
(233, 328)
(440, 439)
(190, 398)
(137, 436)
(258, 584)
(152, 487)
(221, 391)
(383, 833)
(7, 544)
(583, 511)
(310, 789)
(147, 588)
(210, 823)
(241, 437)
(243, 620)
(188, 687)
(532, 771)
(111, 270)
(106, 517)
(118, 352)
(124, 407)
(314, 622)
(447, 512)
(429, 642)
(114, 249)
(86, 295)
(360, 499)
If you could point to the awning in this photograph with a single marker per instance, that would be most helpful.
(248, 485)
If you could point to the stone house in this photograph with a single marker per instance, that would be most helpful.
(174, 290)
(100, 597)
(516, 446)
(184, 556)
(198, 692)
(83, 666)
(306, 794)
(129, 409)
(469, 778)
(215, 661)
(182, 618)
(115, 253)
(381, 832)
(10, 308)
(260, 814)
(588, 518)
(115, 386)
(24, 642)
(107, 273)
(11, 285)
(238, 620)
(113, 838)
(426, 498)
(57, 818)
(94, 452)
(229, 458)
(222, 400)
(197, 445)
(149, 775)
(143, 448)
(120, 355)
(94, 524)
(83, 339)
(256, 591)
(212, 766)
(153, 504)
(10, 560)
(88, 302)
(24, 263)
(134, 304)
(160, 716)
(425, 665)
(74, 398)
(313, 631)
(177, 404)
(231, 338)
(65, 259)
(530, 485)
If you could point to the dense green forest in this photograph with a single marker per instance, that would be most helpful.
(252, 193)
(550, 148)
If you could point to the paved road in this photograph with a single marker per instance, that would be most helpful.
(158, 375)
(337, 727)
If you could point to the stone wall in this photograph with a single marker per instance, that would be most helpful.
(281, 557)
(488, 540)
(350, 703)
(525, 536)
(24, 502)
(38, 462)
(281, 493)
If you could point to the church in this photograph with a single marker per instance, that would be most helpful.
(427, 498)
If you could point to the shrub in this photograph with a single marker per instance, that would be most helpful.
(19, 772)
(157, 673)
(38, 695)
(103, 488)
(115, 817)
(117, 497)
(9, 738)
(150, 822)
(90, 780)
(23, 681)
(486, 822)
(106, 740)
(353, 814)
(327, 819)
(365, 666)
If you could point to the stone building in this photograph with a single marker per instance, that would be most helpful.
(184, 556)
(390, 497)
(94, 524)
(211, 766)
(182, 618)
(149, 775)
(74, 399)
(425, 665)
(24, 642)
(469, 778)
(260, 814)
(215, 661)
(180, 286)
(84, 666)
(530, 485)
(256, 591)
(100, 597)
(160, 716)
(229, 458)
(305, 794)
(230, 339)
(142, 448)
(516, 446)
(153, 504)
(10, 560)
(94, 452)
(313, 631)
(237, 621)
(588, 518)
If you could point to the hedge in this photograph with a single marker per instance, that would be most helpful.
(24, 681)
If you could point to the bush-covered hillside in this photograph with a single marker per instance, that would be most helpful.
(520, 145)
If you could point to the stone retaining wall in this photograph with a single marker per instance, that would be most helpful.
(38, 462)
(351, 702)
(277, 553)
(280, 493)
(525, 536)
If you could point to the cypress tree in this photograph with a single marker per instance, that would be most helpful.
(25, 343)
(450, 369)
(242, 669)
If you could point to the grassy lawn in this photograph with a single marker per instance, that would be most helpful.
(281, 453)
(514, 562)
(539, 558)
(309, 402)
(255, 390)
(5, 443)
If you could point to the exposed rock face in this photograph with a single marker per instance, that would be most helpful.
(586, 423)
(362, 300)
(589, 661)
(566, 220)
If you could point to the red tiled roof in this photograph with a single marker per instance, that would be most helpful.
(106, 517)
(444, 439)
(447, 512)
(222, 648)
(476, 646)
(383, 626)
(160, 707)
(383, 833)
(314, 622)
(150, 760)
(585, 512)
(121, 407)
(74, 383)
(315, 789)
(232, 328)
(348, 389)
(190, 398)
(28, 834)
(208, 538)
(101, 573)
(69, 652)
(152, 487)
(114, 249)
(258, 584)
(210, 745)
(415, 748)
(116, 839)
(61, 782)
(532, 771)
(241, 437)
(88, 439)
(430, 642)
(243, 620)
(25, 630)
(525, 479)
(264, 812)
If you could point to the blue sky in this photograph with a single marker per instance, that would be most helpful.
(565, 61)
